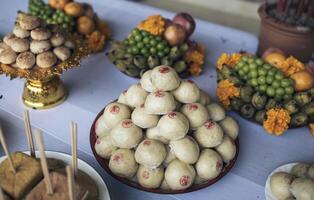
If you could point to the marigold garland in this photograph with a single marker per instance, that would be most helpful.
(277, 121)
(225, 91)
(228, 60)
(196, 59)
(154, 24)
(291, 66)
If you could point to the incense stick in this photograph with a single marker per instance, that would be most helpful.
(1, 194)
(29, 134)
(6, 151)
(43, 161)
(70, 182)
(74, 148)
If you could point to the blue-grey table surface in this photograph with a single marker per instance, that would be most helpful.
(97, 82)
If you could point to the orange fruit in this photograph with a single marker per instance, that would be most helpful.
(303, 81)
(275, 58)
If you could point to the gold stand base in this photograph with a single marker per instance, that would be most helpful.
(44, 94)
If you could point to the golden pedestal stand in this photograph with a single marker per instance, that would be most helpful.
(43, 88)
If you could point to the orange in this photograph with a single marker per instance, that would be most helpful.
(303, 81)
(275, 58)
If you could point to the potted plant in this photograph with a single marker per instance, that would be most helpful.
(289, 26)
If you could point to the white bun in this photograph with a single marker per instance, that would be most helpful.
(122, 163)
(300, 170)
(146, 82)
(101, 128)
(173, 126)
(104, 147)
(209, 165)
(170, 156)
(136, 95)
(204, 98)
(280, 183)
(216, 112)
(209, 135)
(227, 149)
(154, 133)
(142, 119)
(196, 113)
(165, 78)
(185, 149)
(150, 178)
(230, 127)
(187, 92)
(115, 113)
(159, 103)
(303, 189)
(150, 153)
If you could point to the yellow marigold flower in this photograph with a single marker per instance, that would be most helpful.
(312, 128)
(225, 91)
(154, 24)
(96, 41)
(291, 66)
(277, 121)
(195, 57)
(195, 69)
(228, 60)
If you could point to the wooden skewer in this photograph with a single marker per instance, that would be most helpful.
(74, 148)
(85, 196)
(43, 161)
(6, 151)
(29, 134)
(70, 182)
(1, 194)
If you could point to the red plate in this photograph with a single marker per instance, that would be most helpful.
(105, 165)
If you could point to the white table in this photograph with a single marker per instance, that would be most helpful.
(97, 82)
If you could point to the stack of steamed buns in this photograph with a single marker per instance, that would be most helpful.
(166, 133)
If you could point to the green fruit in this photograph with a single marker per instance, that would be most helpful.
(270, 91)
(242, 73)
(136, 31)
(251, 60)
(246, 69)
(153, 42)
(146, 40)
(236, 103)
(269, 79)
(138, 37)
(244, 58)
(308, 109)
(153, 50)
(260, 116)
(259, 101)
(241, 64)
(253, 74)
(180, 66)
(140, 45)
(285, 83)
(259, 62)
(160, 54)
(276, 84)
(247, 111)
(261, 80)
(262, 88)
(252, 66)
(280, 92)
(299, 119)
(279, 75)
(289, 90)
(272, 72)
(253, 82)
(302, 98)
(135, 50)
(291, 106)
(287, 96)
(262, 72)
(144, 33)
(144, 51)
(271, 103)
(246, 93)
(267, 66)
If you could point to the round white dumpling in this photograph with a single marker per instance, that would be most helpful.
(204, 98)
(209, 165)
(303, 188)
(159, 103)
(216, 112)
(114, 113)
(196, 113)
(280, 184)
(173, 126)
(187, 92)
(170, 156)
(209, 135)
(122, 163)
(154, 133)
(126, 134)
(230, 127)
(142, 119)
(146, 82)
(185, 149)
(227, 149)
(300, 170)
(136, 95)
(164, 185)
(198, 180)
(310, 172)
(150, 178)
(179, 175)
(150, 153)
(104, 147)
(101, 128)
(165, 78)
(122, 98)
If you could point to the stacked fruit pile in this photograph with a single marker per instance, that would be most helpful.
(159, 41)
(73, 17)
(261, 89)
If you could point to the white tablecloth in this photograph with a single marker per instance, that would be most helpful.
(97, 82)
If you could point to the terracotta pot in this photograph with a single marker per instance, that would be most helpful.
(295, 41)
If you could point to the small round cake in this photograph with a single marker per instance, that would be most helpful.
(230, 127)
(165, 78)
(216, 112)
(179, 175)
(159, 103)
(104, 147)
(227, 149)
(204, 98)
(209, 165)
(122, 163)
(150, 178)
(280, 183)
(185, 149)
(196, 113)
(115, 113)
(187, 92)
(303, 188)
(173, 126)
(126, 134)
(150, 153)
(170, 156)
(154, 133)
(101, 128)
(300, 170)
(142, 119)
(136, 95)
(122, 98)
(146, 82)
(209, 135)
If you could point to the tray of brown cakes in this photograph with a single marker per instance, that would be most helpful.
(48, 175)
(164, 135)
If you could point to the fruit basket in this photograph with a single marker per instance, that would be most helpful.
(40, 53)
(159, 41)
(164, 135)
(275, 91)
(74, 17)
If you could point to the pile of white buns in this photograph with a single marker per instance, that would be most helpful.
(165, 133)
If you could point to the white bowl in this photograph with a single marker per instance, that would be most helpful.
(283, 168)
(82, 165)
